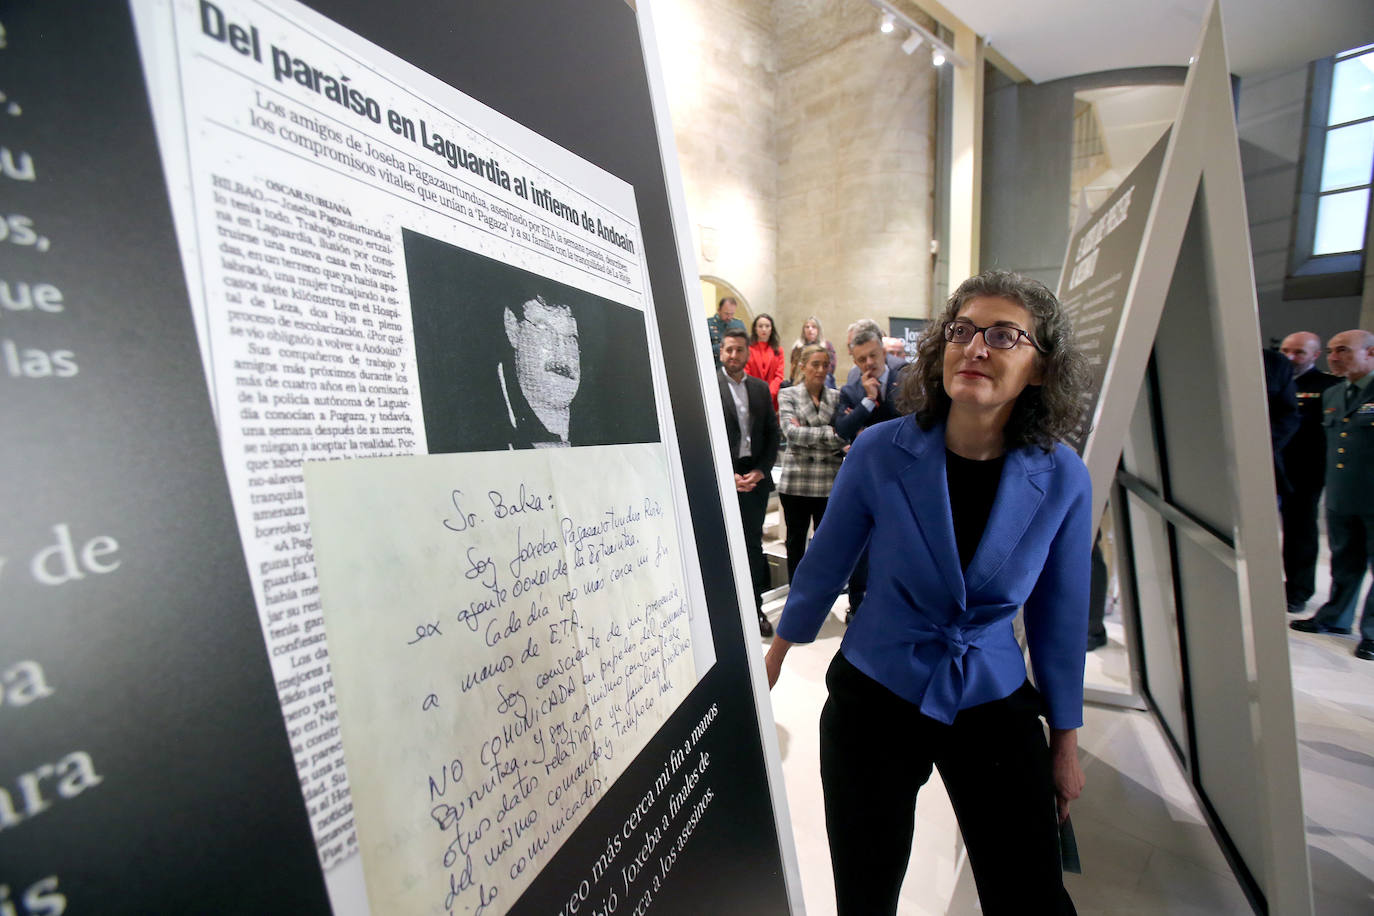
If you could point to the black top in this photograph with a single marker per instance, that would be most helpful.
(972, 490)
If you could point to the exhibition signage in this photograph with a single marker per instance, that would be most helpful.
(1098, 272)
(367, 551)
(908, 331)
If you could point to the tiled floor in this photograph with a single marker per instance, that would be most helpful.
(1145, 846)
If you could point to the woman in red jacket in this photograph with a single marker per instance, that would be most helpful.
(765, 355)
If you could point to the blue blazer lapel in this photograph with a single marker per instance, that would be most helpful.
(927, 489)
(1019, 495)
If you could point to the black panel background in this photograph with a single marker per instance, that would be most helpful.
(574, 72)
(1117, 255)
(159, 668)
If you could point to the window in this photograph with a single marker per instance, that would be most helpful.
(1338, 163)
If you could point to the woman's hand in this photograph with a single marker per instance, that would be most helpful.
(772, 660)
(1068, 776)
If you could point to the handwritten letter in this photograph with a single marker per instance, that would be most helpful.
(507, 630)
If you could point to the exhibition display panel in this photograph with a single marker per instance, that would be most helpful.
(367, 551)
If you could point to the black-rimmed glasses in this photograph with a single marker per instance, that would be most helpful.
(997, 336)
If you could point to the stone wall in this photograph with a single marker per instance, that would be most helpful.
(720, 72)
(856, 124)
(806, 143)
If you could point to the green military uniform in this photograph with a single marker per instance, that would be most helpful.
(717, 327)
(1348, 419)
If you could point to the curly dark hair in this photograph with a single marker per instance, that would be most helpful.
(1044, 413)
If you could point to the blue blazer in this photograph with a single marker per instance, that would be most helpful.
(930, 632)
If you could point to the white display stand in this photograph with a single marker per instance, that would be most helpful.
(1180, 440)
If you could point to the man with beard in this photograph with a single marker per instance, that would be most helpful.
(751, 428)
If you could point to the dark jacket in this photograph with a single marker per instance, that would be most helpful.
(852, 416)
(763, 427)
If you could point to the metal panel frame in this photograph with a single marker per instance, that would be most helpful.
(1201, 174)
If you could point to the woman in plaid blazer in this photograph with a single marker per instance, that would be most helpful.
(814, 450)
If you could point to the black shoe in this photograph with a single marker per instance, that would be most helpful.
(848, 617)
(1096, 642)
(1297, 607)
(1365, 650)
(765, 627)
(1313, 625)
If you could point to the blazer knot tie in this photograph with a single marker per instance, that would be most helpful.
(956, 640)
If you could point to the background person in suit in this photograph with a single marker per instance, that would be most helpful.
(814, 450)
(1348, 418)
(752, 428)
(1283, 411)
(893, 346)
(869, 398)
(1304, 466)
(973, 508)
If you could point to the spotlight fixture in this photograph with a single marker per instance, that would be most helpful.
(888, 23)
(912, 42)
(937, 57)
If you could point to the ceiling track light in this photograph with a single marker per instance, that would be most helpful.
(891, 18)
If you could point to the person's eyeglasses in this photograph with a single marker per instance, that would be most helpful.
(997, 336)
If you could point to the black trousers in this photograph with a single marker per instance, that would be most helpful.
(753, 507)
(1299, 513)
(876, 752)
(799, 513)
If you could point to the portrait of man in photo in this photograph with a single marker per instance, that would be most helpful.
(540, 380)
(509, 359)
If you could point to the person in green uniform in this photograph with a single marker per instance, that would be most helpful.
(723, 320)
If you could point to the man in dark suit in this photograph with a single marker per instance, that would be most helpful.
(870, 398)
(1304, 469)
(1283, 410)
(1348, 419)
(752, 428)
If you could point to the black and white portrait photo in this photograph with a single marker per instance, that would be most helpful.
(508, 359)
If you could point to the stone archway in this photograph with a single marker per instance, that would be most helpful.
(713, 289)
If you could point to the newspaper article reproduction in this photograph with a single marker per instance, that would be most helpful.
(382, 266)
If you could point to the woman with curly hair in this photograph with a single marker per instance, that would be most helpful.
(765, 355)
(972, 508)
